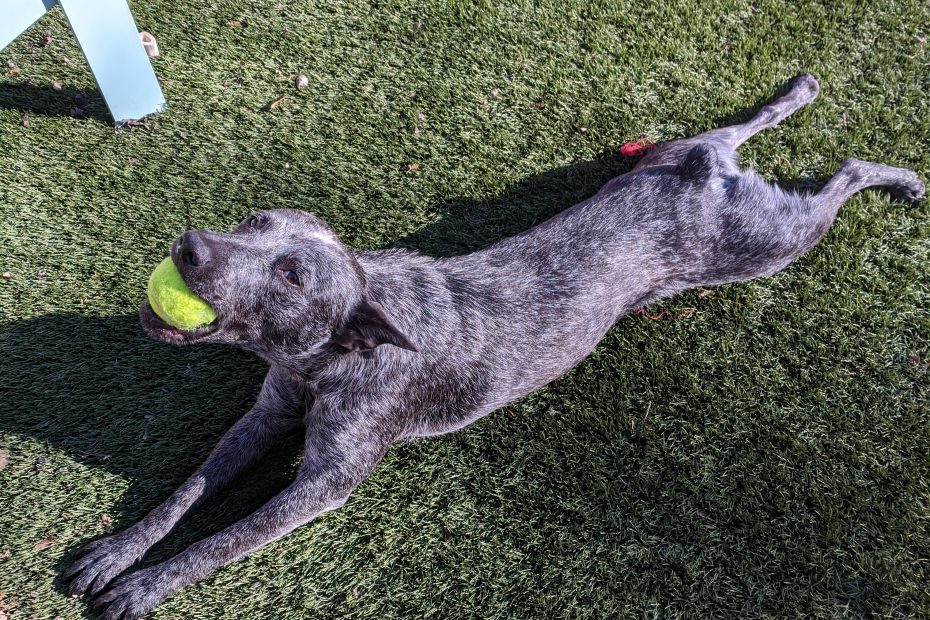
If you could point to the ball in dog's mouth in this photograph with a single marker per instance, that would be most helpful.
(174, 303)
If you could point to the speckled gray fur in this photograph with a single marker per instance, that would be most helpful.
(369, 348)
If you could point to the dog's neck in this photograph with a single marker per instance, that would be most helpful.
(409, 288)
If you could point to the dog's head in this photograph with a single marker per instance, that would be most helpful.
(282, 285)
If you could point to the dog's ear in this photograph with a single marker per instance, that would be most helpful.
(369, 326)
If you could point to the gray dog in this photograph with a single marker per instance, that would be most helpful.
(368, 348)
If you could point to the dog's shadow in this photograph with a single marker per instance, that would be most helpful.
(465, 225)
(99, 390)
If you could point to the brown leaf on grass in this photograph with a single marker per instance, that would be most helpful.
(277, 103)
(413, 166)
(45, 543)
(105, 519)
(667, 314)
(13, 71)
(4, 459)
(26, 118)
(233, 23)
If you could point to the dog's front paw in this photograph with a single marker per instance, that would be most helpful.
(134, 595)
(100, 561)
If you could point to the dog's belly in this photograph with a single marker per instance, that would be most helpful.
(497, 376)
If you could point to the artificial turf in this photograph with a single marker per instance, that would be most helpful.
(765, 455)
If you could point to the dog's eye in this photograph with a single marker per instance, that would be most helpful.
(255, 222)
(291, 276)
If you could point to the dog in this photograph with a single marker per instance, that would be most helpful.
(368, 348)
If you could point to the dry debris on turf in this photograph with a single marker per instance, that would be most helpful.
(765, 455)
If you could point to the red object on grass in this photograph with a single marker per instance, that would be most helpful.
(635, 149)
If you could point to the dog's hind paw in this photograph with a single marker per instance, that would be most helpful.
(911, 190)
(804, 86)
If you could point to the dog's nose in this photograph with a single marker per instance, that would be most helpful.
(193, 251)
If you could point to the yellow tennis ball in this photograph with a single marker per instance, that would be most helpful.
(173, 302)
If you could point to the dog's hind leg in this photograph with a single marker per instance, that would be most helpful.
(856, 175)
(759, 229)
(802, 90)
(812, 223)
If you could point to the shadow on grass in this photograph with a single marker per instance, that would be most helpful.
(101, 391)
(44, 100)
(465, 225)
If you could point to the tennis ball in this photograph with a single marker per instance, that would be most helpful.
(173, 302)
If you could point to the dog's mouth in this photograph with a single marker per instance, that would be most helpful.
(160, 330)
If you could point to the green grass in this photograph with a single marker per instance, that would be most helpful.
(767, 456)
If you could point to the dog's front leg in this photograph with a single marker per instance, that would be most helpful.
(338, 455)
(275, 413)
